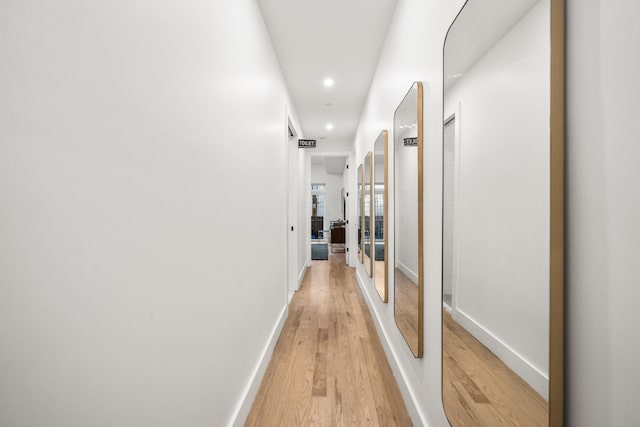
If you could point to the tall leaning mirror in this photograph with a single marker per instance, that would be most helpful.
(408, 267)
(502, 214)
(360, 210)
(380, 246)
(367, 217)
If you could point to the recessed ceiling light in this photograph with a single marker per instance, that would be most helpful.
(329, 126)
(328, 82)
(328, 104)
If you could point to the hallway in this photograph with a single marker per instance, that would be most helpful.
(156, 171)
(328, 367)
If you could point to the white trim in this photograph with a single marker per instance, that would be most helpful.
(251, 390)
(407, 272)
(409, 395)
(302, 273)
(528, 372)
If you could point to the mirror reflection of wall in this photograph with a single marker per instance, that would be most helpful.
(408, 277)
(380, 215)
(496, 210)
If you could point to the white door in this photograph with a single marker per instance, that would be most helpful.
(292, 217)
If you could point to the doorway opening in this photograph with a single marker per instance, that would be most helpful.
(317, 212)
(328, 223)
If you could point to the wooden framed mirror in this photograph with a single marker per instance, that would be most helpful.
(360, 211)
(502, 240)
(380, 246)
(367, 217)
(408, 266)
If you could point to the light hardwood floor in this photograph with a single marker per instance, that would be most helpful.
(328, 367)
(479, 389)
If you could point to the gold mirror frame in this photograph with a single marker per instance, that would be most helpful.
(556, 214)
(360, 213)
(403, 307)
(367, 181)
(381, 272)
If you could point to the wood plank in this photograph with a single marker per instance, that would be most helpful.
(320, 375)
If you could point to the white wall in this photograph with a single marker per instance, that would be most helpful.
(332, 196)
(502, 204)
(603, 204)
(603, 207)
(132, 139)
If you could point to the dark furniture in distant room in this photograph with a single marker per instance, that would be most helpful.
(338, 236)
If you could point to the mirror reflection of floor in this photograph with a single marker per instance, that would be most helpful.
(379, 277)
(479, 389)
(406, 308)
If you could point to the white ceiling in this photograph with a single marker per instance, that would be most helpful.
(480, 25)
(340, 39)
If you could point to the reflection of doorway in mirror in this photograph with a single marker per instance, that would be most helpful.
(447, 219)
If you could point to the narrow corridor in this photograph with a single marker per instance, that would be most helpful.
(328, 367)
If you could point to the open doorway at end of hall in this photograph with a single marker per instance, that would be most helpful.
(328, 225)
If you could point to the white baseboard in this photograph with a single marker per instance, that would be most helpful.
(298, 283)
(536, 379)
(408, 394)
(413, 276)
(302, 273)
(248, 396)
